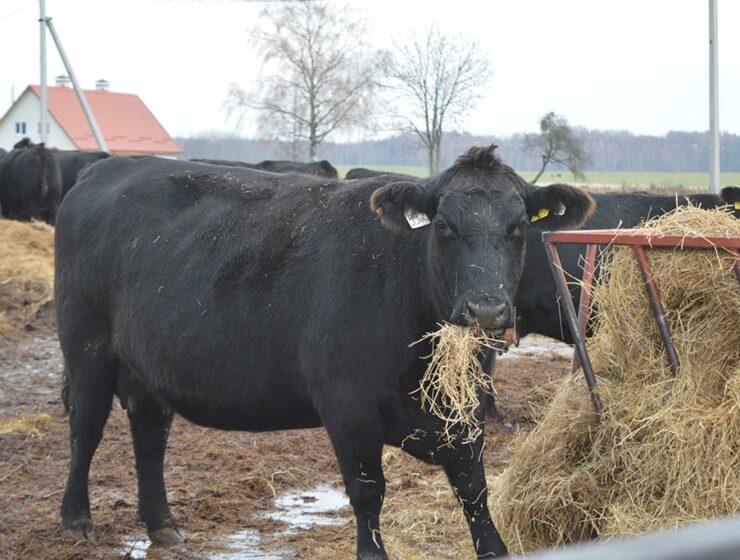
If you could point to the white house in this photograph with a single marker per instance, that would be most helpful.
(127, 125)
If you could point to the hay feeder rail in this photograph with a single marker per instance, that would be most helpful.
(638, 241)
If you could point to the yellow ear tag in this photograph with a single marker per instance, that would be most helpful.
(737, 205)
(541, 213)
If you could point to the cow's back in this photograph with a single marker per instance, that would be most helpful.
(123, 208)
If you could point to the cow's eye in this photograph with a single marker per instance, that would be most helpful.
(442, 228)
(517, 229)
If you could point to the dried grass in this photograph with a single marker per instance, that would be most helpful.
(668, 451)
(32, 424)
(26, 272)
(454, 378)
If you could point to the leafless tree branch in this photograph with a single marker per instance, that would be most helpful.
(318, 74)
(438, 78)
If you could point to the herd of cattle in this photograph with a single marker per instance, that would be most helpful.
(35, 179)
(274, 296)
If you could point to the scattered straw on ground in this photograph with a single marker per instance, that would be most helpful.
(26, 272)
(454, 378)
(668, 451)
(32, 424)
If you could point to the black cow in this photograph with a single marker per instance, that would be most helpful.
(363, 173)
(72, 163)
(30, 184)
(318, 168)
(731, 196)
(226, 162)
(538, 310)
(246, 300)
(23, 143)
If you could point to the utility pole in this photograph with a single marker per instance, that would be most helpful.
(46, 22)
(44, 93)
(714, 138)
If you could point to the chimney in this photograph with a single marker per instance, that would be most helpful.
(102, 85)
(62, 80)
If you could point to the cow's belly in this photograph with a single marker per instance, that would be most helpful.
(237, 396)
(254, 416)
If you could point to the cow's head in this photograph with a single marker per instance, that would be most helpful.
(731, 196)
(474, 219)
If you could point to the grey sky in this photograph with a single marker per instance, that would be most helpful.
(629, 64)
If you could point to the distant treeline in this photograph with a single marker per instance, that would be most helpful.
(607, 150)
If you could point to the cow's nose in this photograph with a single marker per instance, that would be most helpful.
(491, 315)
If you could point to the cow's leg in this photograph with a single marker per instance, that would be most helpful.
(150, 427)
(464, 467)
(467, 478)
(88, 394)
(359, 449)
(492, 411)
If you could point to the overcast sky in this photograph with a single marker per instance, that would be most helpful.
(629, 64)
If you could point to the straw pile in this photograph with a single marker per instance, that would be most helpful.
(33, 424)
(26, 272)
(454, 378)
(668, 451)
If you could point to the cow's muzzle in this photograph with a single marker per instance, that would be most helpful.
(496, 316)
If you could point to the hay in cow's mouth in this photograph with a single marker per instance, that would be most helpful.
(668, 449)
(454, 379)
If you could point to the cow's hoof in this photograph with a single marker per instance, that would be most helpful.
(80, 529)
(167, 536)
(495, 415)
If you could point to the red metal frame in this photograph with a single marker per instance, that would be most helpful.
(638, 240)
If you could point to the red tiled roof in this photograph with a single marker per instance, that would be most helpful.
(128, 126)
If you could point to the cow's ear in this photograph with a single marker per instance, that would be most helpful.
(558, 206)
(403, 206)
(731, 196)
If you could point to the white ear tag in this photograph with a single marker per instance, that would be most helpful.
(559, 209)
(416, 218)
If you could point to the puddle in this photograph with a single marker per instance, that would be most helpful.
(237, 546)
(135, 548)
(537, 345)
(308, 508)
(299, 510)
(245, 545)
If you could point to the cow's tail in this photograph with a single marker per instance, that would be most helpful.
(65, 388)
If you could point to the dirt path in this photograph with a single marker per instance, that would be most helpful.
(239, 495)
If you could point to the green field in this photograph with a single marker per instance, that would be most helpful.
(405, 169)
(614, 180)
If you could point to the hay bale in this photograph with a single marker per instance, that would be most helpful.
(26, 272)
(668, 451)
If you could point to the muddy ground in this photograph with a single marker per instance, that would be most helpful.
(238, 495)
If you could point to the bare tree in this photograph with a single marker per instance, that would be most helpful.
(317, 76)
(438, 78)
(558, 143)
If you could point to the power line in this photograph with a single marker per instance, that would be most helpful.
(235, 1)
(11, 14)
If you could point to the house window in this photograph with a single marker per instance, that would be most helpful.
(20, 128)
